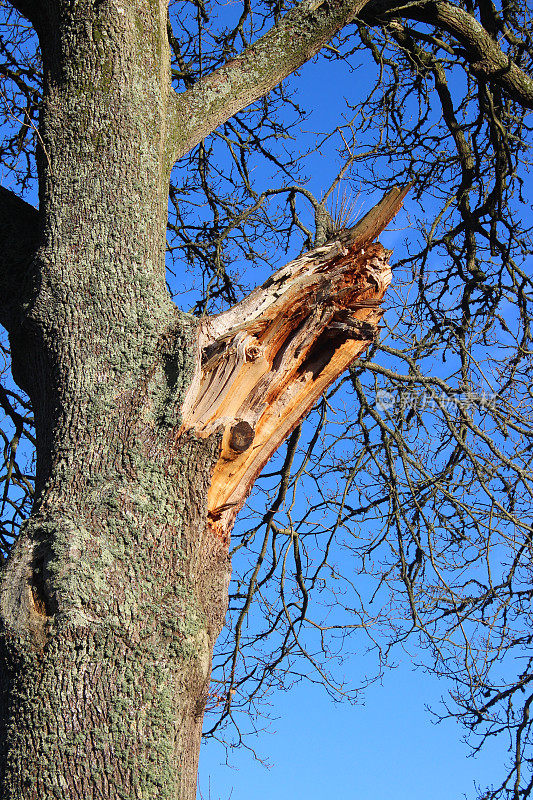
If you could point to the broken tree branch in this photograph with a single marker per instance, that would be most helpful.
(264, 363)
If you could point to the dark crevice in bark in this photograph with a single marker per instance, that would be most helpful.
(19, 236)
(320, 354)
(44, 601)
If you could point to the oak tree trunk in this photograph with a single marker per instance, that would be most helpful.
(151, 427)
(113, 596)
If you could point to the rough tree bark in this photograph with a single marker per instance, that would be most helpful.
(151, 427)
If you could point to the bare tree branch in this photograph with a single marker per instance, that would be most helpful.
(28, 8)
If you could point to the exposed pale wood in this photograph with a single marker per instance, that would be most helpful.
(264, 363)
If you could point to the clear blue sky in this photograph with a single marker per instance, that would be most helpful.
(386, 749)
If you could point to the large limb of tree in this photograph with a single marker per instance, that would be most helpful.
(482, 49)
(296, 38)
(263, 364)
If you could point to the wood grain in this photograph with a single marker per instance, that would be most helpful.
(264, 363)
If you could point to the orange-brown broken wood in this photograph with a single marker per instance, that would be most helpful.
(264, 363)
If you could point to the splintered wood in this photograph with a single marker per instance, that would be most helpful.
(263, 364)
